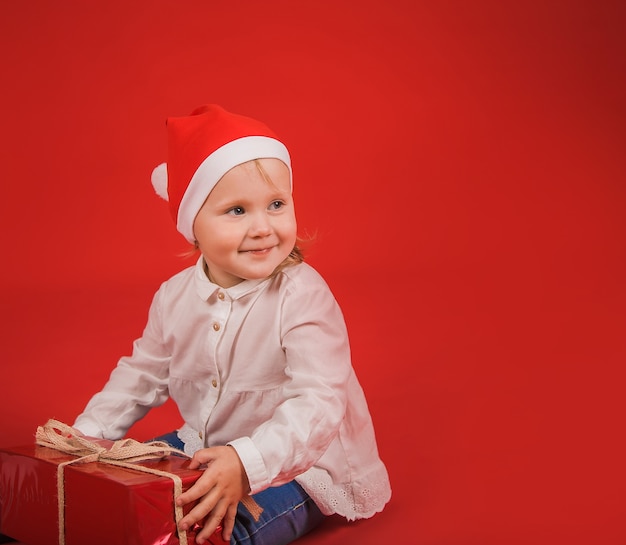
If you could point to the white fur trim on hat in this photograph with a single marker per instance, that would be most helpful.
(216, 165)
(159, 181)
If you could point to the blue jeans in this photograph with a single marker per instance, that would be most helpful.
(288, 512)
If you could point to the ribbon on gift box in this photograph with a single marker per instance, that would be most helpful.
(60, 436)
(122, 453)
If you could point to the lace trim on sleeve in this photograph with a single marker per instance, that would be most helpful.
(191, 439)
(356, 500)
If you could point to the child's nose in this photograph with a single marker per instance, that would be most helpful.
(260, 225)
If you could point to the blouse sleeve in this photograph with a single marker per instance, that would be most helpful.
(315, 342)
(137, 384)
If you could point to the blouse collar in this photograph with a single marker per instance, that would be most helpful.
(205, 288)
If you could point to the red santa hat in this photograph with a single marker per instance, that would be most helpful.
(202, 147)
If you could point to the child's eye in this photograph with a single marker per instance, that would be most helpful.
(276, 205)
(236, 211)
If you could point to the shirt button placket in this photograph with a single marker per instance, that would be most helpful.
(223, 313)
(217, 327)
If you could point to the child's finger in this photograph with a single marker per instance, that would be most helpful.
(228, 523)
(199, 511)
(203, 456)
(216, 518)
(201, 487)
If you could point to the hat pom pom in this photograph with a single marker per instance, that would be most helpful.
(159, 181)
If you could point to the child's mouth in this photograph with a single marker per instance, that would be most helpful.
(259, 251)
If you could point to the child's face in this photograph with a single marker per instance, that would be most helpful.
(247, 225)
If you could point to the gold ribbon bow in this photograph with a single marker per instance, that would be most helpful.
(60, 436)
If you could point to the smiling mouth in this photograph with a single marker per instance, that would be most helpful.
(259, 251)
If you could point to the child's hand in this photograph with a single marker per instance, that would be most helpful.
(221, 486)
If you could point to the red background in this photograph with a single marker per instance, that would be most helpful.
(461, 165)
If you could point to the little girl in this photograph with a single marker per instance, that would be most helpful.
(251, 345)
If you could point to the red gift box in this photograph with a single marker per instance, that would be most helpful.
(104, 503)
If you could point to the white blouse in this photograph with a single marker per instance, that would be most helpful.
(263, 366)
